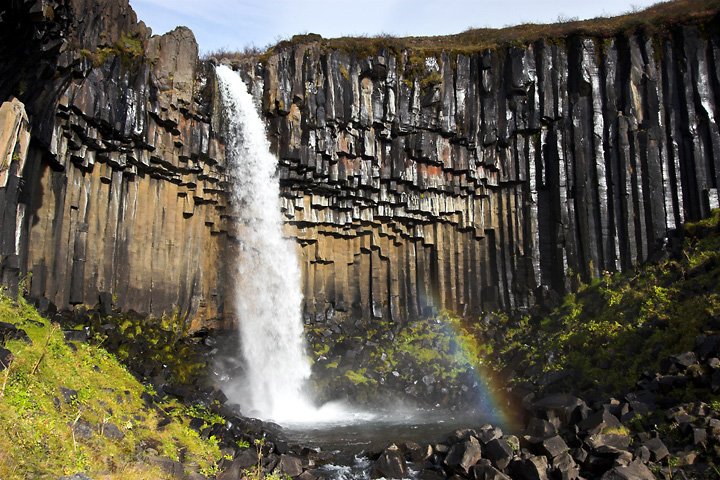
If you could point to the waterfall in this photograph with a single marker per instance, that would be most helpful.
(267, 275)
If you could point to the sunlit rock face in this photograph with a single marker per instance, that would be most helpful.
(484, 181)
(495, 177)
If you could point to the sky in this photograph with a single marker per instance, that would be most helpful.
(235, 24)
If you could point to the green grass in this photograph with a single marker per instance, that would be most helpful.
(612, 330)
(129, 48)
(36, 436)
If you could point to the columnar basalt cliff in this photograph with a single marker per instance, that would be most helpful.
(491, 178)
(470, 180)
(121, 190)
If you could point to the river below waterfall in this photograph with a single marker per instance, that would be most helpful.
(358, 436)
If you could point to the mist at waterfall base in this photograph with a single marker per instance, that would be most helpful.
(270, 380)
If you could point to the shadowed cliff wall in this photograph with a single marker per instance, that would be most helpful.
(121, 191)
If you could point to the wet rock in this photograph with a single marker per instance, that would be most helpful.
(390, 464)
(428, 474)
(415, 453)
(289, 465)
(464, 455)
(307, 475)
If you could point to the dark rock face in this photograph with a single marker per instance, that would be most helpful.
(481, 189)
(484, 190)
(120, 192)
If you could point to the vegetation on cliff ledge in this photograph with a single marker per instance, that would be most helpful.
(611, 332)
(657, 18)
(68, 407)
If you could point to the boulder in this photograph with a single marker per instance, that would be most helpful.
(567, 408)
(247, 459)
(635, 471)
(499, 452)
(608, 444)
(390, 464)
(429, 474)
(532, 468)
(172, 468)
(539, 428)
(565, 467)
(684, 360)
(657, 448)
(8, 331)
(488, 434)
(289, 465)
(487, 472)
(69, 395)
(112, 432)
(553, 446)
(598, 422)
(414, 452)
(82, 430)
(464, 455)
(6, 358)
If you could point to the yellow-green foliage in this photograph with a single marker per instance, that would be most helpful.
(357, 377)
(158, 343)
(36, 436)
(445, 347)
(129, 47)
(620, 325)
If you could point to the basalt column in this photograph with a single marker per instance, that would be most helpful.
(491, 177)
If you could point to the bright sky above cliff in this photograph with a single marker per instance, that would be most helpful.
(234, 24)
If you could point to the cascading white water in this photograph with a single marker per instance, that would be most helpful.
(267, 274)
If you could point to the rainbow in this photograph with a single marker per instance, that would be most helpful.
(494, 402)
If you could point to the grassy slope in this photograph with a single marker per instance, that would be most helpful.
(36, 438)
(614, 329)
